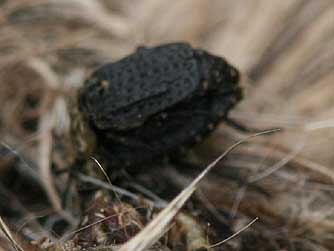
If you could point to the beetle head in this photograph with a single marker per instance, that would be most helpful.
(219, 76)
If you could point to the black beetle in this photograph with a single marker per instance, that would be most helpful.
(156, 100)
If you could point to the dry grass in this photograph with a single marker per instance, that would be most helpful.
(283, 48)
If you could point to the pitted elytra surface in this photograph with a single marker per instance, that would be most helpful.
(157, 99)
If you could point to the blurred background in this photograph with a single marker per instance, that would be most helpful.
(284, 49)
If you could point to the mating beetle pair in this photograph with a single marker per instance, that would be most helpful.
(155, 100)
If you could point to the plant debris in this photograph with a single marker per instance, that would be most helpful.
(284, 52)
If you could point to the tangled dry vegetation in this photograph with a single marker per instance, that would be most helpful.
(285, 51)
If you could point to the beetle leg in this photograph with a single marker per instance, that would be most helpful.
(72, 170)
(237, 125)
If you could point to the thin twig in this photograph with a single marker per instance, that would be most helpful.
(8, 234)
(235, 234)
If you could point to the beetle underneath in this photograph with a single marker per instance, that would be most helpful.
(154, 101)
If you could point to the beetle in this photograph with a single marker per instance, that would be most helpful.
(156, 100)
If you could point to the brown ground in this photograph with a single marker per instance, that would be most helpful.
(283, 48)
